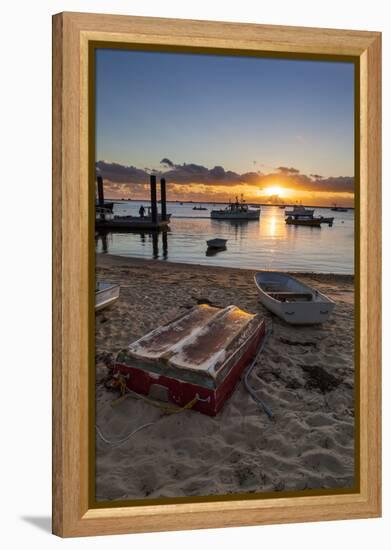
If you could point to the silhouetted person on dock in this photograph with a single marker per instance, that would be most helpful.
(141, 211)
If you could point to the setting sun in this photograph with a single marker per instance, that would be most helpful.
(274, 190)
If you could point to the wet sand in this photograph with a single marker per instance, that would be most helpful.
(305, 375)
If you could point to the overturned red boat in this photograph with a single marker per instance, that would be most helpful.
(197, 358)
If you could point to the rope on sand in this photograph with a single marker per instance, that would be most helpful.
(166, 408)
(171, 410)
(122, 441)
(250, 390)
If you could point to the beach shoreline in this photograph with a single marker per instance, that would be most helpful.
(309, 444)
(111, 260)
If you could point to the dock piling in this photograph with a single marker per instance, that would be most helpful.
(165, 244)
(163, 198)
(153, 199)
(101, 196)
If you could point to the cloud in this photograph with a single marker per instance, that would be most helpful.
(118, 173)
(167, 162)
(191, 173)
(286, 170)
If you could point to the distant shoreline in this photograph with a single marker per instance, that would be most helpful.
(112, 260)
(290, 205)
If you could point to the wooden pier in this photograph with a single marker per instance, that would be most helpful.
(154, 222)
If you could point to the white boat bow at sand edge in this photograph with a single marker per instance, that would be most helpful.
(105, 295)
(291, 300)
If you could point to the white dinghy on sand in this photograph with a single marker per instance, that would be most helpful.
(105, 294)
(291, 300)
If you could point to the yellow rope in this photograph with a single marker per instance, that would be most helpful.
(167, 408)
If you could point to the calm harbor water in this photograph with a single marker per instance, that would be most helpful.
(265, 244)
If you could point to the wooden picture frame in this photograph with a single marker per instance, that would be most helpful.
(73, 514)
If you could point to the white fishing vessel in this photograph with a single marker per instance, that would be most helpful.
(291, 300)
(237, 210)
(105, 294)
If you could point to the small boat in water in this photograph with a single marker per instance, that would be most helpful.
(199, 207)
(216, 243)
(105, 294)
(336, 208)
(291, 300)
(194, 361)
(297, 220)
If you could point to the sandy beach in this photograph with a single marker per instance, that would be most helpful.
(305, 375)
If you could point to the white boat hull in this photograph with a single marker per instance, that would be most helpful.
(105, 295)
(312, 307)
(300, 211)
(222, 215)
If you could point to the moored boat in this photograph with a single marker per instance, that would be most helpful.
(297, 220)
(292, 300)
(237, 210)
(300, 210)
(105, 294)
(336, 208)
(216, 243)
(196, 360)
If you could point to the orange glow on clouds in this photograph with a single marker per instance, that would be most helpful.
(270, 194)
(273, 190)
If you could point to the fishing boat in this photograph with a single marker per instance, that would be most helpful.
(216, 243)
(195, 360)
(297, 220)
(237, 210)
(199, 207)
(291, 300)
(105, 295)
(300, 210)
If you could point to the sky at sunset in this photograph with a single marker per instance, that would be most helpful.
(273, 130)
